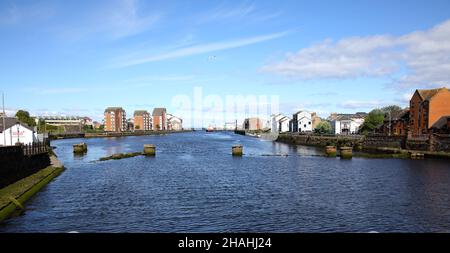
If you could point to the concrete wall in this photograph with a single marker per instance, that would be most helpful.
(319, 140)
(14, 165)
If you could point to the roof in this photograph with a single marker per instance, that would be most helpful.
(140, 112)
(441, 122)
(397, 115)
(9, 122)
(428, 94)
(158, 111)
(113, 109)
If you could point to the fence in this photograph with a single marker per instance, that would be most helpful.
(35, 149)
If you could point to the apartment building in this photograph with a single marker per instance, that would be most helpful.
(115, 119)
(159, 119)
(142, 120)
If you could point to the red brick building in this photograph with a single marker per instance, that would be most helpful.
(159, 119)
(142, 120)
(426, 108)
(115, 119)
(395, 124)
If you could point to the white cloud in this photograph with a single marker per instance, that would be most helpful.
(202, 48)
(420, 58)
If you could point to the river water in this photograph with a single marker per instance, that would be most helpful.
(195, 185)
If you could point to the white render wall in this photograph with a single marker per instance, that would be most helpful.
(23, 135)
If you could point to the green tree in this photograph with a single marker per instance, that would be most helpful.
(323, 127)
(25, 117)
(391, 109)
(372, 120)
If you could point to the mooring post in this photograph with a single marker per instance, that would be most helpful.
(236, 150)
(149, 150)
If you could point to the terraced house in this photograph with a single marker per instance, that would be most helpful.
(428, 107)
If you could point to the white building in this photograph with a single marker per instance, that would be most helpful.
(301, 122)
(279, 123)
(16, 132)
(346, 124)
(174, 123)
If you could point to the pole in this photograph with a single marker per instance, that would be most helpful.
(390, 123)
(3, 119)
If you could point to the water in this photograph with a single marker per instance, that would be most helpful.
(195, 185)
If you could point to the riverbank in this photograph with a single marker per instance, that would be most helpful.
(14, 196)
(369, 146)
(111, 134)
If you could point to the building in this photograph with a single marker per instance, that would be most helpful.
(97, 125)
(159, 119)
(252, 124)
(115, 120)
(346, 123)
(301, 122)
(442, 126)
(142, 120)
(61, 120)
(14, 132)
(174, 123)
(396, 123)
(315, 120)
(280, 123)
(426, 107)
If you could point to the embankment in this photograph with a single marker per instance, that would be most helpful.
(112, 134)
(13, 196)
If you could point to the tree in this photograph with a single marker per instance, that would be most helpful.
(392, 109)
(323, 127)
(25, 117)
(372, 120)
(376, 117)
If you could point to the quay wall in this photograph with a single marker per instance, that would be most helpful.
(319, 140)
(112, 134)
(15, 165)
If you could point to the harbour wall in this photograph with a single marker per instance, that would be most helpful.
(15, 164)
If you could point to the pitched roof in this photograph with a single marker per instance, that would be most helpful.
(158, 111)
(428, 94)
(397, 115)
(441, 122)
(113, 109)
(140, 112)
(9, 122)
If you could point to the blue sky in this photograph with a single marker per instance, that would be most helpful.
(78, 57)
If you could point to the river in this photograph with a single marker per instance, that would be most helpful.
(195, 185)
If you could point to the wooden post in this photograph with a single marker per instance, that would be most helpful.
(149, 150)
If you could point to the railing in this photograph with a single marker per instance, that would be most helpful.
(34, 149)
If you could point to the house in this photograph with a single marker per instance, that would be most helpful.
(396, 123)
(14, 131)
(174, 123)
(159, 119)
(284, 124)
(279, 123)
(97, 125)
(442, 126)
(346, 123)
(301, 122)
(426, 107)
(275, 122)
(252, 124)
(115, 120)
(142, 120)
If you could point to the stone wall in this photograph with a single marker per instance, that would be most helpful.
(377, 141)
(440, 143)
(319, 140)
(14, 165)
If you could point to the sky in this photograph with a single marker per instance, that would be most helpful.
(79, 57)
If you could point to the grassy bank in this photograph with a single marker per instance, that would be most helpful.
(15, 195)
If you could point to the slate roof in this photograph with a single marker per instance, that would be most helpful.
(158, 111)
(440, 123)
(428, 94)
(10, 121)
(140, 112)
